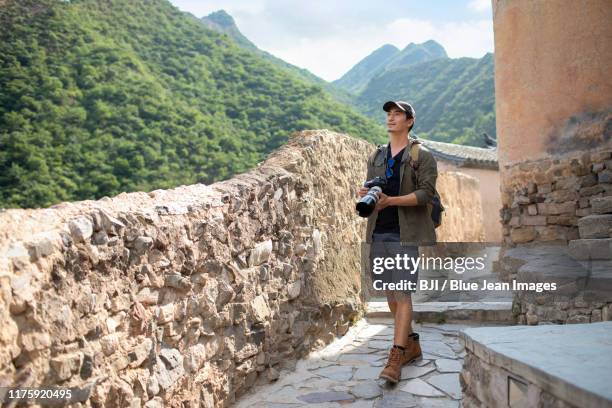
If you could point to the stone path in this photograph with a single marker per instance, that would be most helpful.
(345, 373)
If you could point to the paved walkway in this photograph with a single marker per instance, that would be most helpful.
(345, 373)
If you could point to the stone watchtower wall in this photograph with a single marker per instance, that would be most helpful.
(554, 125)
(553, 93)
(195, 293)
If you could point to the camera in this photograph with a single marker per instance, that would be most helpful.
(366, 205)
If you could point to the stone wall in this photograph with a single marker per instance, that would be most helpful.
(518, 366)
(490, 197)
(191, 294)
(553, 114)
(487, 385)
(554, 127)
(462, 218)
(551, 69)
(544, 200)
(187, 297)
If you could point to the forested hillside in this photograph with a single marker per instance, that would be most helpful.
(221, 21)
(454, 98)
(99, 97)
(385, 58)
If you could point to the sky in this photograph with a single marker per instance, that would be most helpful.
(328, 37)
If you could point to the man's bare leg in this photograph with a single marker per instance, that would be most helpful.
(392, 306)
(402, 319)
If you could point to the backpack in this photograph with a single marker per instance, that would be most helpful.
(436, 204)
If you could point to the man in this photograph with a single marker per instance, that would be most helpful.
(401, 221)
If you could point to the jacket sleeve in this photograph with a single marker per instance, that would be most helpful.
(427, 173)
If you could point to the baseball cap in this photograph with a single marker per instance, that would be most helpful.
(405, 106)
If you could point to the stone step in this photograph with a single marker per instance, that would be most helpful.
(549, 365)
(595, 226)
(585, 249)
(435, 312)
(601, 205)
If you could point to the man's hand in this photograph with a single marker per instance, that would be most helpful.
(383, 201)
(362, 191)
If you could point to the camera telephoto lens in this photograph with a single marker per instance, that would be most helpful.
(366, 205)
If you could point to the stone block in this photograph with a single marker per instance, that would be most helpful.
(584, 249)
(43, 244)
(140, 353)
(65, 366)
(293, 290)
(578, 319)
(81, 228)
(568, 207)
(108, 223)
(583, 202)
(604, 176)
(556, 232)
(597, 167)
(533, 220)
(565, 220)
(566, 183)
(260, 309)
(260, 253)
(492, 355)
(177, 281)
(524, 234)
(583, 212)
(544, 188)
(588, 181)
(171, 357)
(110, 344)
(590, 191)
(141, 245)
(601, 205)
(595, 226)
(168, 372)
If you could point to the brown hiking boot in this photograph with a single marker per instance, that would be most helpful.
(413, 350)
(392, 370)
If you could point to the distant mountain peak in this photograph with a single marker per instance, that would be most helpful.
(221, 21)
(222, 18)
(431, 46)
(386, 47)
(388, 57)
(358, 76)
(432, 42)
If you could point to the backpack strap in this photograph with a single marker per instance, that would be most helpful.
(414, 155)
(374, 154)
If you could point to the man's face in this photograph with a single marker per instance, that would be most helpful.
(397, 120)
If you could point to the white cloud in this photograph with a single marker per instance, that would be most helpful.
(466, 39)
(328, 38)
(479, 5)
(331, 56)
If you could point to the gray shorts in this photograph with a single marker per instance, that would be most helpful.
(388, 245)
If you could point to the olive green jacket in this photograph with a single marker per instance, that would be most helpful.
(416, 226)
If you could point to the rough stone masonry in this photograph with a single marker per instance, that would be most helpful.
(189, 296)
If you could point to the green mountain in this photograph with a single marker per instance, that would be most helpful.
(221, 21)
(98, 97)
(385, 58)
(415, 53)
(358, 76)
(454, 99)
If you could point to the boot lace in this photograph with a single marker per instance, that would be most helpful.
(394, 357)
